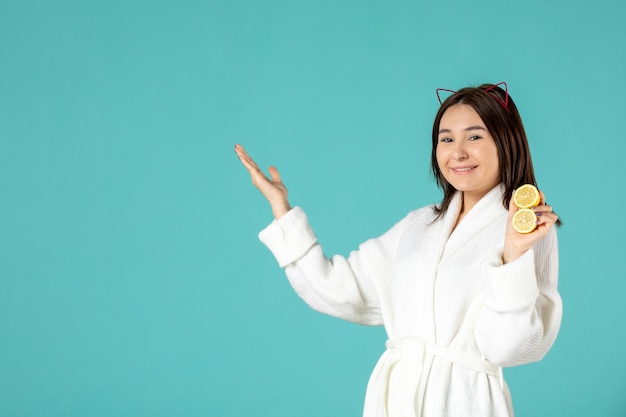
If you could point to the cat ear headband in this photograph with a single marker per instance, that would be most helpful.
(504, 103)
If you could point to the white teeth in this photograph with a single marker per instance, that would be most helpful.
(463, 169)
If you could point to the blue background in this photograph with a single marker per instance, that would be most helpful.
(132, 279)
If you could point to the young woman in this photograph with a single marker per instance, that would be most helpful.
(461, 294)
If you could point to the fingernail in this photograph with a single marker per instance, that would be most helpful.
(538, 214)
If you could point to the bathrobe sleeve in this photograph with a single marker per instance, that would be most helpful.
(522, 308)
(347, 288)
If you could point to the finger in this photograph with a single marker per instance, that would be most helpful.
(256, 174)
(246, 162)
(242, 154)
(239, 150)
(246, 159)
(274, 174)
(546, 218)
(543, 209)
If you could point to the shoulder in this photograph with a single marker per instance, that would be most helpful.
(409, 228)
(425, 215)
(420, 218)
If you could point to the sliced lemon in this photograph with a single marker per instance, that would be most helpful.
(526, 196)
(524, 220)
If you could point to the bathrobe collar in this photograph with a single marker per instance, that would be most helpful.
(485, 212)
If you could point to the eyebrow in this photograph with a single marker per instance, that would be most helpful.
(467, 129)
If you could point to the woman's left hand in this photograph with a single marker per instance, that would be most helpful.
(515, 243)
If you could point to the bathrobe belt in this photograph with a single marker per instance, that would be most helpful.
(415, 357)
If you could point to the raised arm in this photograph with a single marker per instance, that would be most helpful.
(346, 288)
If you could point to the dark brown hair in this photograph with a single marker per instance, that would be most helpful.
(506, 128)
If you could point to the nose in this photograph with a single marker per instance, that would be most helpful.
(459, 153)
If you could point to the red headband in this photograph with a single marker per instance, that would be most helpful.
(504, 103)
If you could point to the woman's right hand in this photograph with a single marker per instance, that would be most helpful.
(272, 188)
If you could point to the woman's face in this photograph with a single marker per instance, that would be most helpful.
(466, 152)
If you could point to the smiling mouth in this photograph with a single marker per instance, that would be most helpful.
(463, 170)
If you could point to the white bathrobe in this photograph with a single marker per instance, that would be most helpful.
(454, 314)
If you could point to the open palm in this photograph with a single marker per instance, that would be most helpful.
(272, 188)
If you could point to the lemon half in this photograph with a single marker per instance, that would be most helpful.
(524, 220)
(526, 196)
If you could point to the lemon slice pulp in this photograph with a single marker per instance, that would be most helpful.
(524, 220)
(526, 196)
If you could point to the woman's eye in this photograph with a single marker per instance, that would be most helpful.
(445, 140)
(475, 137)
